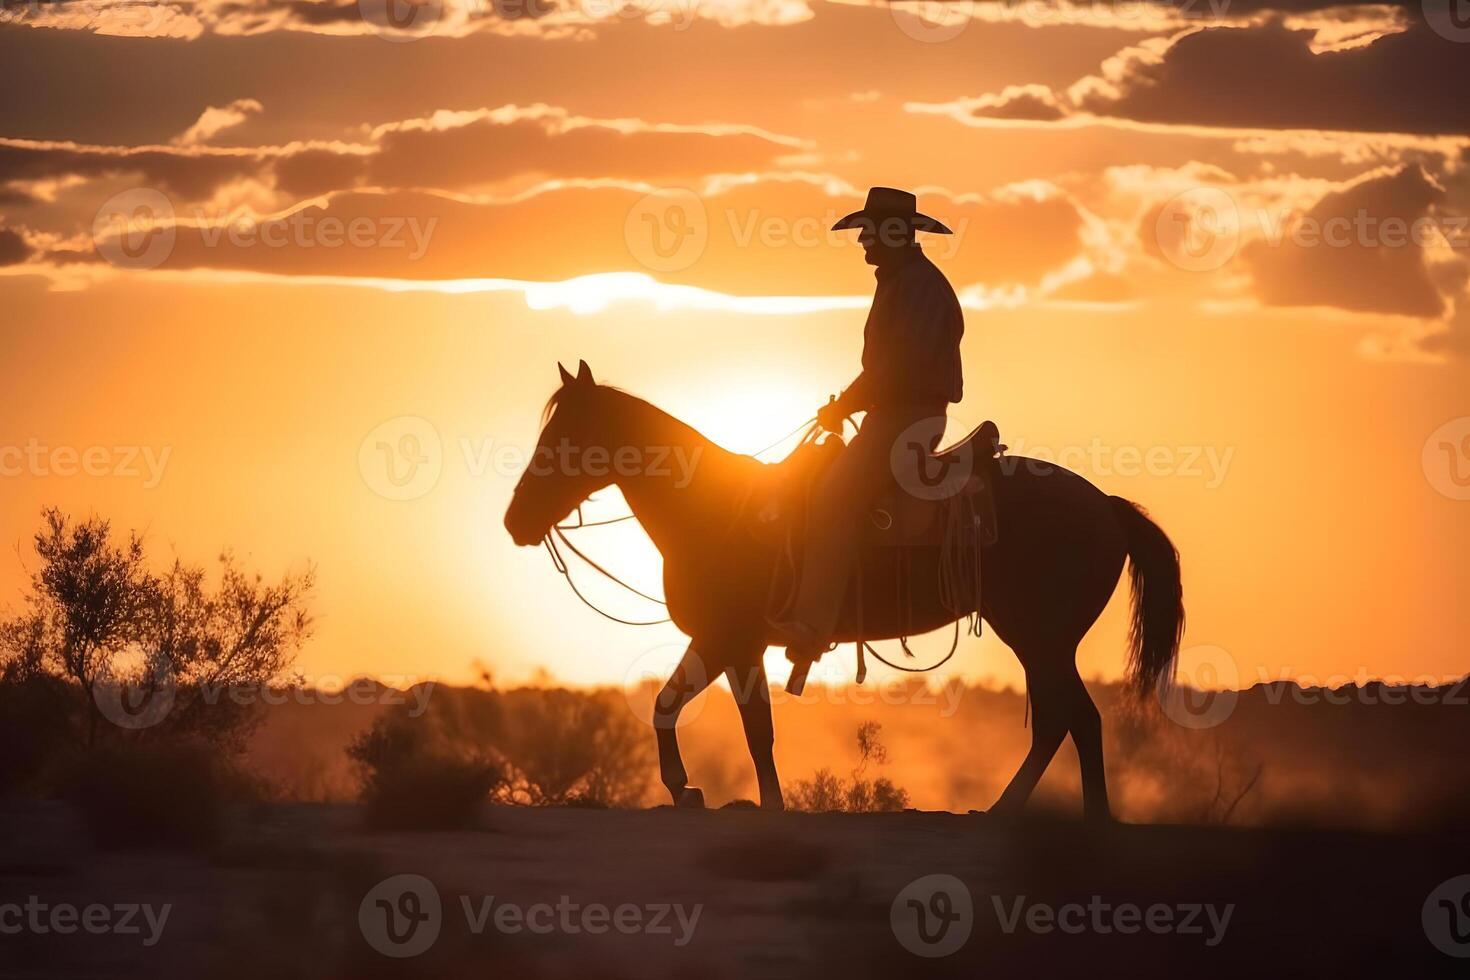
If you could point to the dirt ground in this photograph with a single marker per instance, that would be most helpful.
(302, 891)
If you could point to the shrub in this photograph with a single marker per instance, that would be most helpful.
(573, 748)
(825, 793)
(152, 793)
(37, 718)
(411, 781)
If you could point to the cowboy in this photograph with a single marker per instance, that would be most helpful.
(911, 371)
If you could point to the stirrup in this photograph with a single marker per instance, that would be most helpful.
(796, 683)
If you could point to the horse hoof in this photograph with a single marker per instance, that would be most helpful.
(691, 799)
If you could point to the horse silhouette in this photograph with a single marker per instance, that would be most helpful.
(1061, 549)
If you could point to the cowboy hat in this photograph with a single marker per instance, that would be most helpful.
(886, 203)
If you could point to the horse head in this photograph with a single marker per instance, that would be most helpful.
(561, 473)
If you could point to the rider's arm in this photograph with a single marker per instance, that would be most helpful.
(858, 396)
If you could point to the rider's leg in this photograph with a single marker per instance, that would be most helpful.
(838, 503)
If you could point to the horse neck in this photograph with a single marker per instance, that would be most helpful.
(687, 487)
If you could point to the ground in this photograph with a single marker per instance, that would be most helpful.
(778, 895)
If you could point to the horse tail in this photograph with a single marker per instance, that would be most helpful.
(1158, 599)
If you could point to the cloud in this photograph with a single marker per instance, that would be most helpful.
(468, 149)
(1264, 76)
(1361, 248)
(1453, 340)
(216, 119)
(1019, 102)
(449, 150)
(396, 19)
(190, 172)
(745, 235)
(1269, 77)
(14, 249)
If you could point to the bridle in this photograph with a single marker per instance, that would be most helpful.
(558, 533)
(556, 538)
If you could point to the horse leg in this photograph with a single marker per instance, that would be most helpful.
(687, 680)
(1049, 722)
(753, 694)
(1086, 726)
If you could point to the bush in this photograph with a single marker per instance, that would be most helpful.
(410, 782)
(825, 793)
(152, 794)
(37, 720)
(573, 748)
(542, 747)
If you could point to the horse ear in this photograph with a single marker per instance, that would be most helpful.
(566, 376)
(584, 373)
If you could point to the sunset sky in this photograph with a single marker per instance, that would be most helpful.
(1215, 254)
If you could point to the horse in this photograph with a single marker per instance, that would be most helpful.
(1059, 555)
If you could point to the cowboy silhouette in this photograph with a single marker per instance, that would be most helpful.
(911, 371)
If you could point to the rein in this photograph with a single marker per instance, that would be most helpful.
(556, 538)
(560, 564)
(557, 533)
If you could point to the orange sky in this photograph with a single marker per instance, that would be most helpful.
(333, 232)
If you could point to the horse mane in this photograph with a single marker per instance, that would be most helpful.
(560, 395)
(633, 401)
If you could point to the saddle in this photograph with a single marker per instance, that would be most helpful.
(928, 534)
(953, 495)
